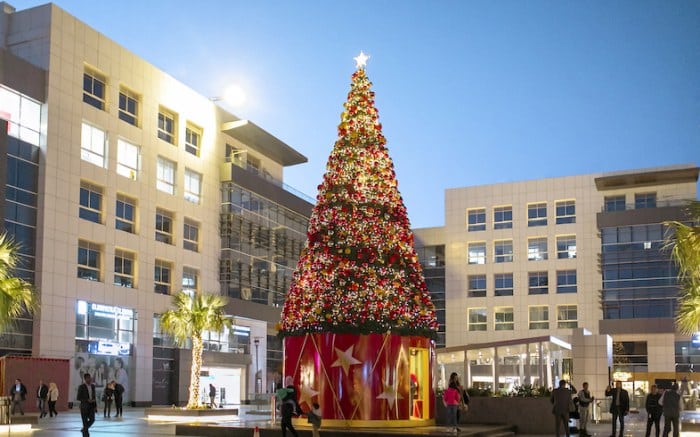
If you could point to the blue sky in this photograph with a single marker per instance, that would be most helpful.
(468, 92)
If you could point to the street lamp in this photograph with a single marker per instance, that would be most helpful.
(256, 341)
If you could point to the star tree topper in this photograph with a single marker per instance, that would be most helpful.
(361, 60)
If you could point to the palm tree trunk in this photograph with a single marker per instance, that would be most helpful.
(197, 349)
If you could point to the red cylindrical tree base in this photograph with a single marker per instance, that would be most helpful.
(363, 380)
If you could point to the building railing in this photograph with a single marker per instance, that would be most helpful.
(268, 177)
(660, 203)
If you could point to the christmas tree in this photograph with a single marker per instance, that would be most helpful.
(359, 272)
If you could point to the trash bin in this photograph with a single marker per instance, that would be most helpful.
(4, 410)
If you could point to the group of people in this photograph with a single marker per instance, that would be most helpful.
(289, 407)
(88, 401)
(658, 403)
(46, 397)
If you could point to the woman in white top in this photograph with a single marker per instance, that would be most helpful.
(53, 397)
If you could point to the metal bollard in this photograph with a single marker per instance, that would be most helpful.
(273, 408)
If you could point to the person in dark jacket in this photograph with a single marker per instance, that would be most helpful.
(619, 405)
(290, 407)
(88, 404)
(654, 410)
(671, 403)
(561, 406)
(18, 393)
(107, 396)
(118, 398)
(42, 393)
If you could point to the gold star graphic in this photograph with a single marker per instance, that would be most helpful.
(306, 395)
(345, 359)
(391, 388)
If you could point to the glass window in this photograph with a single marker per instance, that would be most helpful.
(566, 246)
(190, 235)
(89, 264)
(538, 317)
(124, 268)
(161, 280)
(90, 202)
(644, 200)
(190, 279)
(164, 226)
(92, 145)
(503, 284)
(166, 126)
(503, 319)
(193, 139)
(503, 251)
(538, 283)
(127, 159)
(477, 286)
(537, 249)
(567, 316)
(503, 217)
(94, 88)
(477, 253)
(165, 175)
(23, 116)
(566, 211)
(125, 214)
(128, 106)
(537, 214)
(566, 281)
(476, 220)
(615, 203)
(477, 319)
(193, 186)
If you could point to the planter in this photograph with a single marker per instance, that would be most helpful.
(528, 415)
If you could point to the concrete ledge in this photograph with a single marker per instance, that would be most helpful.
(30, 419)
(184, 414)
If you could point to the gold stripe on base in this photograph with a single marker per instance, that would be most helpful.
(339, 423)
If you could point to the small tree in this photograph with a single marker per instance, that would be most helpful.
(16, 294)
(192, 315)
(683, 239)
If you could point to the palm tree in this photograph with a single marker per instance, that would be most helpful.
(16, 294)
(683, 239)
(192, 315)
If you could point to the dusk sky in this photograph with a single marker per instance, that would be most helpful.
(468, 92)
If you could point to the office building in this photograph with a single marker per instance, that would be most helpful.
(125, 186)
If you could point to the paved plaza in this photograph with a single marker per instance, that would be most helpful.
(135, 424)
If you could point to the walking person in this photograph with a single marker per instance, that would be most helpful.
(290, 407)
(212, 396)
(107, 396)
(671, 403)
(52, 398)
(619, 406)
(118, 399)
(654, 410)
(452, 399)
(18, 393)
(314, 418)
(88, 404)
(561, 405)
(42, 393)
(584, 401)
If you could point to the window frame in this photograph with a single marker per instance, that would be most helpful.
(541, 322)
(190, 272)
(124, 268)
(89, 95)
(473, 217)
(162, 234)
(189, 194)
(167, 126)
(88, 211)
(564, 284)
(121, 220)
(505, 324)
(477, 325)
(95, 151)
(503, 290)
(479, 257)
(537, 249)
(645, 200)
(503, 217)
(165, 168)
(566, 310)
(563, 250)
(539, 288)
(93, 251)
(187, 242)
(162, 268)
(472, 289)
(536, 219)
(504, 257)
(612, 203)
(565, 211)
(129, 98)
(193, 139)
(127, 163)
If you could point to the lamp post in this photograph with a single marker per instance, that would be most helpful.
(256, 341)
